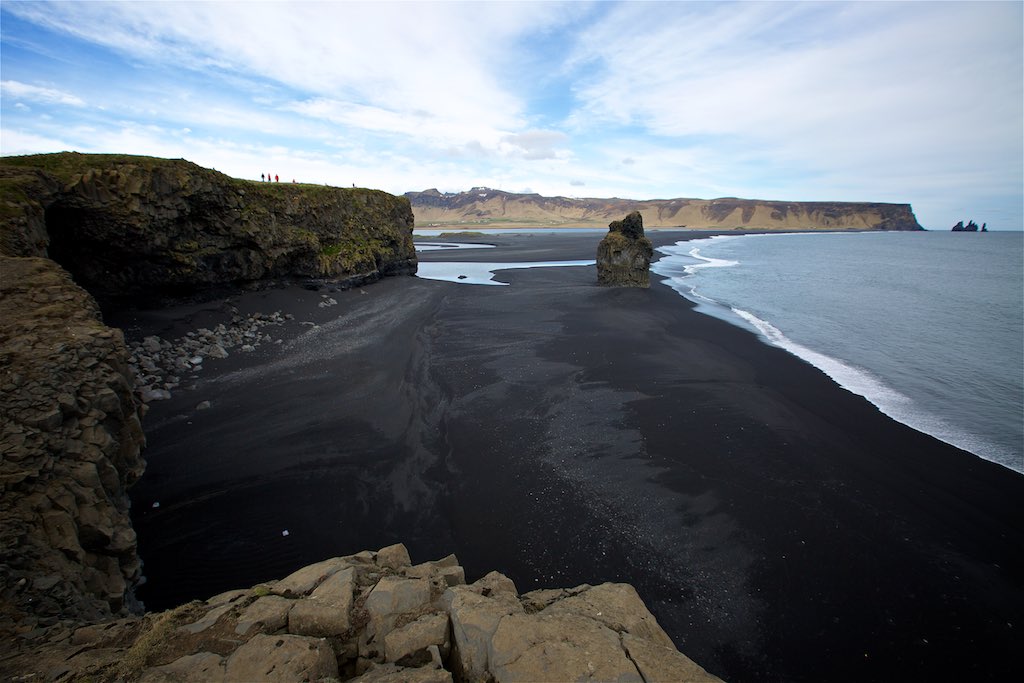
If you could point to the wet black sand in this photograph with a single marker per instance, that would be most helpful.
(779, 527)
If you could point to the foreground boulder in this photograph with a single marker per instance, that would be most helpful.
(624, 255)
(145, 226)
(373, 617)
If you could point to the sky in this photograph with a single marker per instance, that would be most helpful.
(915, 102)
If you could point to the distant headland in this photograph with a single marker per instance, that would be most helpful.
(487, 207)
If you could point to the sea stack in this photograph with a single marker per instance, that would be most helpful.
(624, 255)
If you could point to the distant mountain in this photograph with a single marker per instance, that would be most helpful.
(486, 207)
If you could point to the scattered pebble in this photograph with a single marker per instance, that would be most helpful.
(284, 533)
(156, 504)
(157, 363)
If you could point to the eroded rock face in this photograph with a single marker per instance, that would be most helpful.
(70, 440)
(624, 255)
(142, 226)
(386, 621)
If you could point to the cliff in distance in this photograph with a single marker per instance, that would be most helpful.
(485, 207)
(152, 226)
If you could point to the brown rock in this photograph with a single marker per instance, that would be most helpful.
(563, 647)
(304, 580)
(624, 255)
(202, 666)
(409, 644)
(283, 658)
(660, 664)
(389, 673)
(617, 606)
(269, 614)
(393, 557)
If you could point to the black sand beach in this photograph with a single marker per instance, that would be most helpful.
(779, 527)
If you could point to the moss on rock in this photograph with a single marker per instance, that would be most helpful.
(153, 226)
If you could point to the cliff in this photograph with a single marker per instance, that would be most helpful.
(483, 207)
(154, 227)
(70, 446)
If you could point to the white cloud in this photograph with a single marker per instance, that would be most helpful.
(537, 144)
(15, 142)
(866, 89)
(861, 101)
(398, 59)
(36, 93)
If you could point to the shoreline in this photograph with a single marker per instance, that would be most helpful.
(849, 374)
(778, 526)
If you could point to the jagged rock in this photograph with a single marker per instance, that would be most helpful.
(394, 598)
(410, 644)
(481, 632)
(389, 673)
(327, 612)
(624, 255)
(474, 620)
(970, 227)
(283, 658)
(661, 664)
(303, 581)
(549, 647)
(394, 557)
(268, 613)
(202, 666)
(70, 439)
(617, 606)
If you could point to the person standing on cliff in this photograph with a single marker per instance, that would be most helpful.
(262, 177)
(277, 179)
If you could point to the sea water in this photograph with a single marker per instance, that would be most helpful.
(927, 326)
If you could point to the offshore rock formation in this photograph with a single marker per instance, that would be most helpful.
(374, 617)
(151, 227)
(624, 255)
(970, 227)
(483, 207)
(70, 439)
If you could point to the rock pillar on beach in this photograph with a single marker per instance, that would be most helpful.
(624, 255)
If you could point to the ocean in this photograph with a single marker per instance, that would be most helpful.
(928, 326)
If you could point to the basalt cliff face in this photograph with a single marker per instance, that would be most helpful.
(153, 227)
(70, 442)
(482, 207)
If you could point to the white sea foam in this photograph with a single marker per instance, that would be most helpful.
(861, 382)
(679, 271)
(683, 261)
(475, 273)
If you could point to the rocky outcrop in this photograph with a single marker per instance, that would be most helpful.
(970, 227)
(374, 618)
(138, 226)
(624, 255)
(483, 207)
(70, 440)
